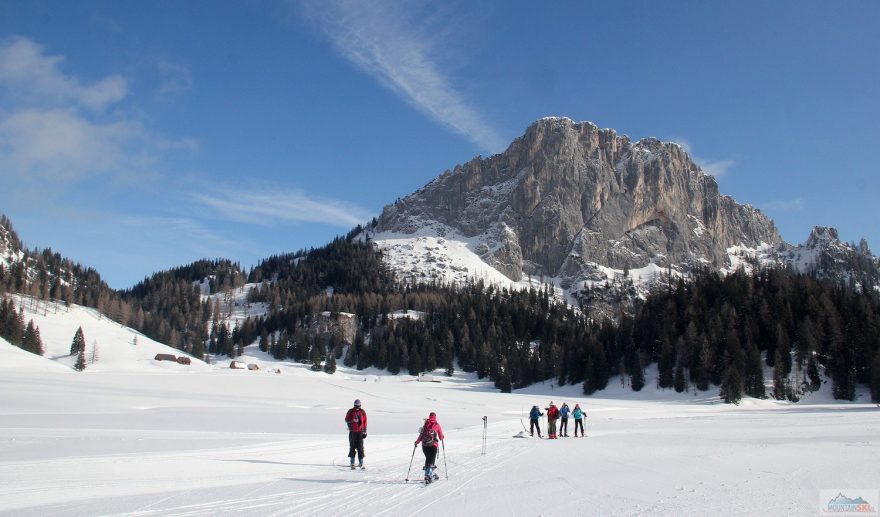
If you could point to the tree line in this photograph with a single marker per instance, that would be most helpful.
(13, 329)
(710, 332)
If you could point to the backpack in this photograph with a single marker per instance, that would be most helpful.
(353, 419)
(428, 435)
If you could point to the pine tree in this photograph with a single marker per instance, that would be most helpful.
(330, 364)
(679, 381)
(79, 342)
(31, 339)
(732, 388)
(666, 365)
(754, 374)
(780, 378)
(875, 378)
(704, 367)
(264, 341)
(80, 361)
(224, 341)
(637, 381)
(39, 349)
(198, 349)
(815, 381)
(315, 356)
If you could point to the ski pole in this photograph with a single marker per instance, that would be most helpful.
(410, 463)
(445, 468)
(485, 423)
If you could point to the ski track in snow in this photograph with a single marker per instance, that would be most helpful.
(131, 436)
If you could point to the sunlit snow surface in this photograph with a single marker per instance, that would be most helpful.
(133, 436)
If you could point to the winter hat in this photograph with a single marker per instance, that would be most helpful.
(357, 402)
(577, 405)
(551, 402)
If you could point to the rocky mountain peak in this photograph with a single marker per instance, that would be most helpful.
(567, 197)
(822, 236)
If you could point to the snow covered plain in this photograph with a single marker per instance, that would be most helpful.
(140, 437)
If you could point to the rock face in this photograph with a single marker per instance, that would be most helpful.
(567, 196)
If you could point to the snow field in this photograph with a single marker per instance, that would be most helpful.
(225, 442)
(134, 436)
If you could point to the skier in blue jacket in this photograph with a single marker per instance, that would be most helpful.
(535, 421)
(563, 414)
(578, 415)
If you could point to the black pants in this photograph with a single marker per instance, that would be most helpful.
(578, 422)
(356, 444)
(430, 455)
(534, 423)
(563, 426)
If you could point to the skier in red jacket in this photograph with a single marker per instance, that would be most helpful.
(356, 419)
(430, 436)
(552, 417)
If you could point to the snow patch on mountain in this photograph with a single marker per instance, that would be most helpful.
(234, 305)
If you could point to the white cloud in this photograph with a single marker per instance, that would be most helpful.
(172, 231)
(717, 168)
(268, 207)
(175, 78)
(382, 39)
(32, 75)
(785, 205)
(56, 130)
(61, 145)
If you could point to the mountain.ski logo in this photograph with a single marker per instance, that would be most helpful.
(838, 502)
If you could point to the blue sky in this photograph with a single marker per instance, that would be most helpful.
(139, 136)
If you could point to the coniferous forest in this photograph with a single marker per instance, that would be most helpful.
(709, 332)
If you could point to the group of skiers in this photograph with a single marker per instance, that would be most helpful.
(554, 414)
(430, 436)
(431, 433)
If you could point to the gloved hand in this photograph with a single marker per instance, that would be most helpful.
(365, 434)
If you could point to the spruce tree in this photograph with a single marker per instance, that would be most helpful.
(31, 339)
(753, 383)
(315, 356)
(704, 367)
(780, 378)
(815, 381)
(875, 378)
(679, 381)
(80, 364)
(198, 349)
(79, 342)
(638, 374)
(330, 364)
(264, 341)
(39, 349)
(731, 387)
(666, 365)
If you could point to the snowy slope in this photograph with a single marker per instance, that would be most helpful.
(226, 442)
(109, 345)
(130, 436)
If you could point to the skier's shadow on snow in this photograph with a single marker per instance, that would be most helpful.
(361, 481)
(283, 463)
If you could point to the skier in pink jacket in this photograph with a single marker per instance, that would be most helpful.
(430, 436)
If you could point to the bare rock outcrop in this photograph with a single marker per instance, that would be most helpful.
(567, 193)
